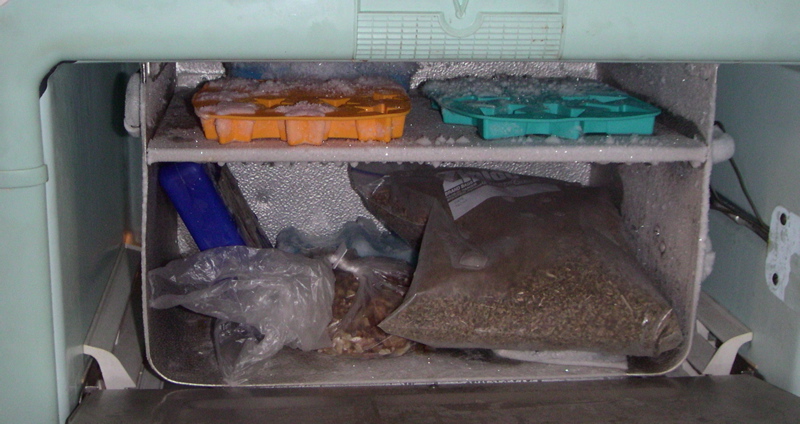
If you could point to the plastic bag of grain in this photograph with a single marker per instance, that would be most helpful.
(525, 263)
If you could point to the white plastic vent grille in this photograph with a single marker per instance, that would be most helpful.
(421, 36)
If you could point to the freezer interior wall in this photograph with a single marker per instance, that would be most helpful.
(663, 205)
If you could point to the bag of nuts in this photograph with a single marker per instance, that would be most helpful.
(366, 291)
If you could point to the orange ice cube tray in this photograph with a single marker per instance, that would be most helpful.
(302, 111)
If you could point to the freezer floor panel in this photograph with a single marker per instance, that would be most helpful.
(187, 357)
(728, 399)
(426, 138)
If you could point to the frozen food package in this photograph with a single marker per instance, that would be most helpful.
(524, 263)
(263, 299)
(361, 236)
(402, 207)
(367, 290)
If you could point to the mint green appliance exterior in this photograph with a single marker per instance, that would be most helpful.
(759, 104)
(64, 164)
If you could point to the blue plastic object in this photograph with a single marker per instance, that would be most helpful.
(194, 196)
(568, 108)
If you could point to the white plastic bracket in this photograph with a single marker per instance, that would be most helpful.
(112, 339)
(713, 320)
(784, 247)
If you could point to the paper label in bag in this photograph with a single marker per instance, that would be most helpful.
(465, 190)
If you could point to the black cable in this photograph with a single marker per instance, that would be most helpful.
(745, 192)
(738, 215)
(735, 212)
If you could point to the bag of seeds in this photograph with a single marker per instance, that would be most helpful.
(522, 263)
(366, 291)
(402, 206)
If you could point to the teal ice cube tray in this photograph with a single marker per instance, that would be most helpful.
(519, 106)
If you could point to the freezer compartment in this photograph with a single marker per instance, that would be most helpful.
(661, 204)
(660, 182)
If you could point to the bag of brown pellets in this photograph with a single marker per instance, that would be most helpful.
(521, 263)
(402, 204)
(367, 290)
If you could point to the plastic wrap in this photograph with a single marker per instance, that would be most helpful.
(521, 263)
(569, 358)
(361, 236)
(263, 299)
(372, 276)
(367, 291)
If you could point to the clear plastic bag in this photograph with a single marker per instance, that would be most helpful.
(263, 299)
(570, 358)
(523, 263)
(367, 290)
(402, 205)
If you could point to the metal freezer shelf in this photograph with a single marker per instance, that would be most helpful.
(426, 139)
